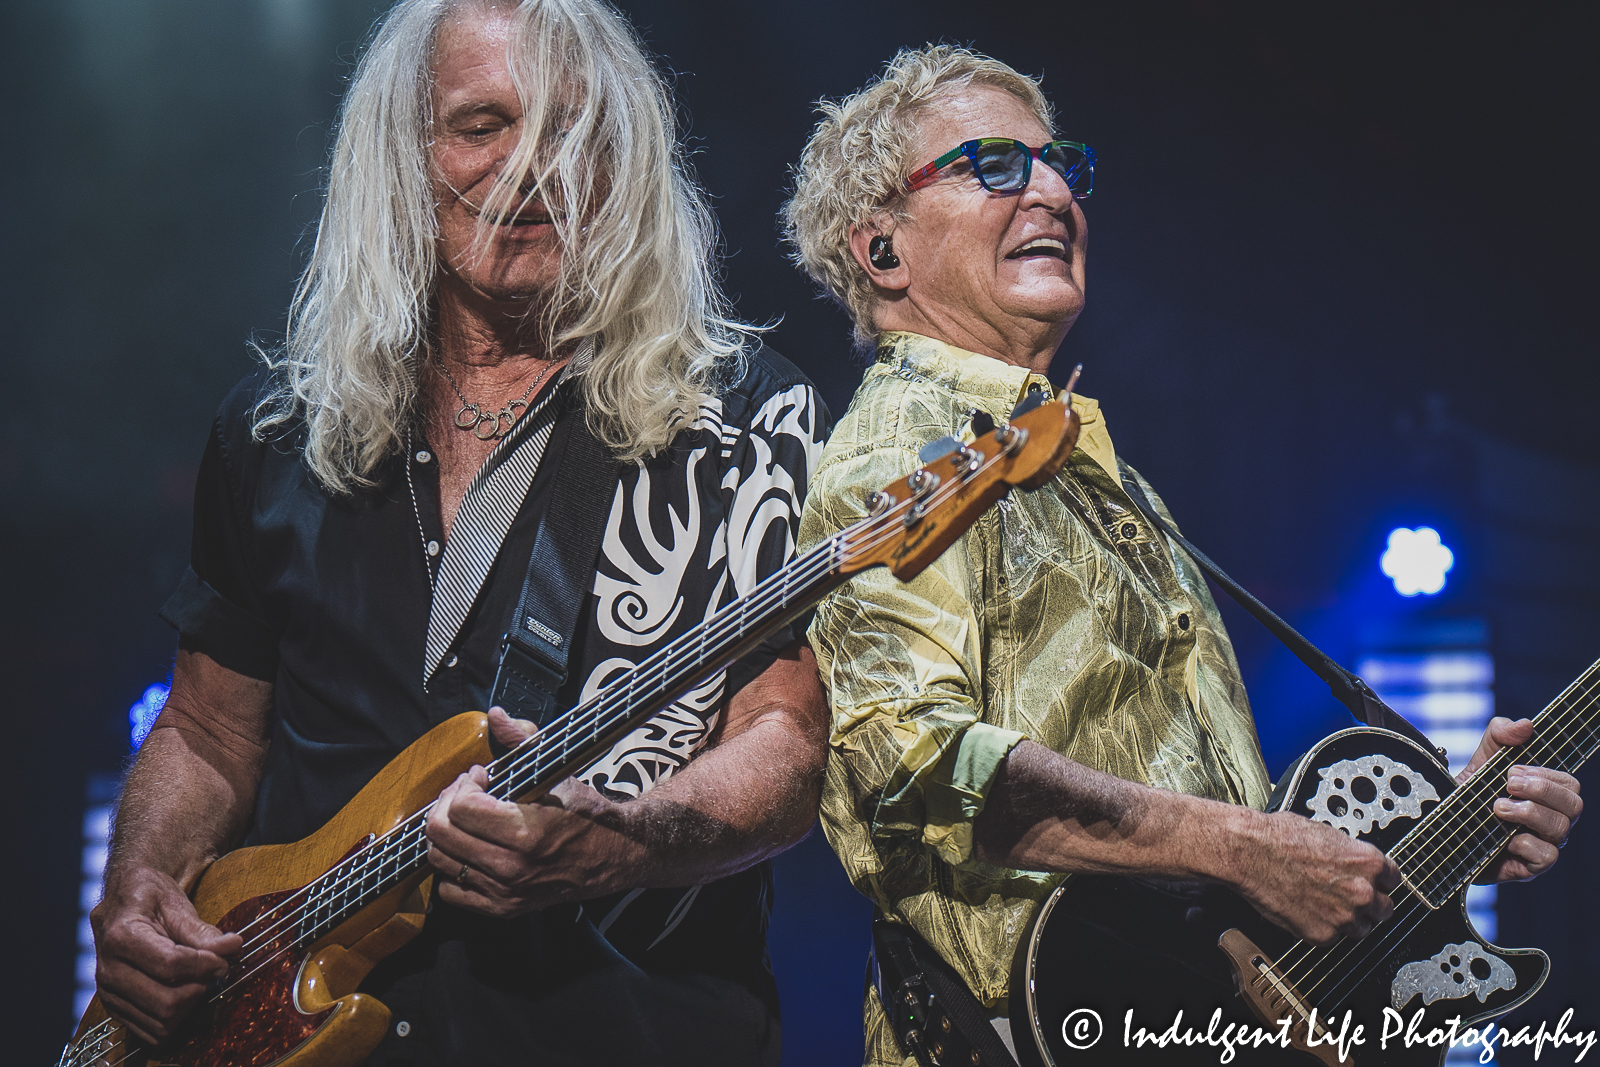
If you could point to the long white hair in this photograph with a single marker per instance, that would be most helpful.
(636, 235)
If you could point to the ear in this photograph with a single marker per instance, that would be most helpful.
(895, 279)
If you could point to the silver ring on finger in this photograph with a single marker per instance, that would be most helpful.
(461, 879)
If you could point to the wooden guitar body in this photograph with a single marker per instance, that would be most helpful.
(1104, 945)
(298, 1007)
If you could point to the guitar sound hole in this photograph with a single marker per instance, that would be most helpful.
(1337, 805)
(1480, 968)
(1364, 789)
(1400, 785)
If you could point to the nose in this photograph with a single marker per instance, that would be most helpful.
(1046, 188)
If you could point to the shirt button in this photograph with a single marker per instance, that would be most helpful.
(452, 661)
(433, 548)
(1183, 621)
(423, 457)
(402, 1028)
(1129, 530)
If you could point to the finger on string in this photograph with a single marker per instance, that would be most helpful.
(1550, 788)
(1547, 823)
(1389, 877)
(148, 950)
(482, 820)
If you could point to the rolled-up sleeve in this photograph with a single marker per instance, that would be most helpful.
(216, 608)
(903, 662)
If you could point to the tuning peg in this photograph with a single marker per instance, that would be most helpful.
(1031, 401)
(937, 449)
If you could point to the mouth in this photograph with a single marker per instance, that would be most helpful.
(1052, 247)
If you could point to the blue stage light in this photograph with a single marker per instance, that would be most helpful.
(1417, 561)
(143, 714)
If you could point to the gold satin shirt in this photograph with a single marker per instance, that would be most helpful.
(1060, 616)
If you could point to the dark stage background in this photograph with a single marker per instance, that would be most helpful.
(1342, 279)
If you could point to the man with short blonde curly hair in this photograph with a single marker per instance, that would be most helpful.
(1057, 692)
(848, 171)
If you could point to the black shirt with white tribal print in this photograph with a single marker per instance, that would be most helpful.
(373, 629)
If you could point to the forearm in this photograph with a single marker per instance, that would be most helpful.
(740, 802)
(190, 792)
(1045, 812)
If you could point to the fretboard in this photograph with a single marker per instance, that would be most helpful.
(582, 735)
(1453, 842)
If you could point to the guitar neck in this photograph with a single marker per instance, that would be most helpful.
(585, 733)
(1452, 844)
(908, 525)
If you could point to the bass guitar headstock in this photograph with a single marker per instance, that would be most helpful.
(913, 521)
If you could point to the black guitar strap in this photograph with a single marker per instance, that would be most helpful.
(1347, 687)
(933, 1014)
(533, 655)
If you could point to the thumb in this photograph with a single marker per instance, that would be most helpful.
(508, 731)
(185, 927)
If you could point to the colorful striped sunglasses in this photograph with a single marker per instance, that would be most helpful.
(1004, 166)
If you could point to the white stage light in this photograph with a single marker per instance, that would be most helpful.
(1417, 561)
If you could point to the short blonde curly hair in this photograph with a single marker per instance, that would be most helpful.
(859, 154)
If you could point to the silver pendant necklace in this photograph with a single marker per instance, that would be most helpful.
(490, 425)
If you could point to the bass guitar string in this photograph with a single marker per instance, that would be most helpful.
(533, 763)
(822, 558)
(396, 838)
(842, 541)
(831, 549)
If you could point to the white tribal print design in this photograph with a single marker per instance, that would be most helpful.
(688, 532)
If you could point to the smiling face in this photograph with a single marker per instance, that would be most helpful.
(997, 273)
(477, 122)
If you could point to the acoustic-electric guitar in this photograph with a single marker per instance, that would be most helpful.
(317, 915)
(1104, 946)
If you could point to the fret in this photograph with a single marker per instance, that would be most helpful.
(1462, 832)
(662, 674)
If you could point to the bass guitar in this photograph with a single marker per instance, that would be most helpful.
(1109, 957)
(317, 915)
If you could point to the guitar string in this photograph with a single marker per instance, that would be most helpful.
(822, 563)
(1488, 772)
(98, 1031)
(403, 838)
(1480, 838)
(100, 1028)
(1458, 801)
(390, 841)
(823, 556)
(1539, 747)
(829, 552)
(1555, 737)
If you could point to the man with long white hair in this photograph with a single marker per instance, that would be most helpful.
(511, 249)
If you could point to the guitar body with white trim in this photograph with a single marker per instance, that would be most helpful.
(1102, 946)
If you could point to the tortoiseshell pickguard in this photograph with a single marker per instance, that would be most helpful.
(255, 1023)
